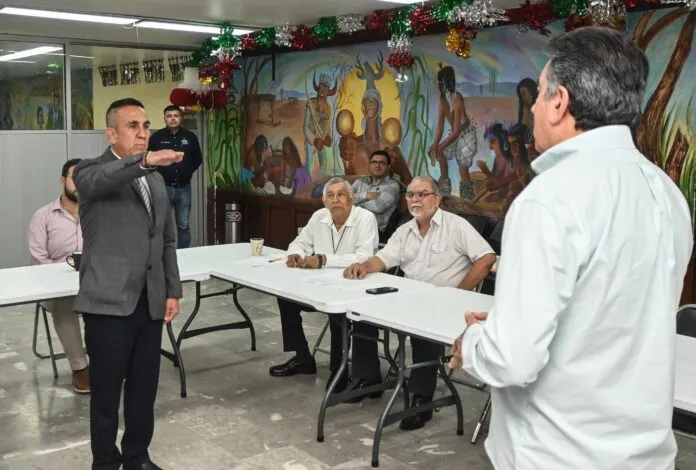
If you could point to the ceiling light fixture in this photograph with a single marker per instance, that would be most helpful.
(29, 53)
(189, 28)
(60, 15)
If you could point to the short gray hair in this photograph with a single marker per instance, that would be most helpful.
(605, 74)
(428, 179)
(337, 180)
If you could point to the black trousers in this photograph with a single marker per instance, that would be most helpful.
(123, 349)
(365, 359)
(423, 380)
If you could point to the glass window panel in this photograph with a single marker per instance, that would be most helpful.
(101, 75)
(32, 88)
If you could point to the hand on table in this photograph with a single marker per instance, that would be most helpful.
(471, 318)
(309, 262)
(355, 271)
(171, 310)
(293, 261)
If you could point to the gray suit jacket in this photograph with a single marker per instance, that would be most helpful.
(124, 248)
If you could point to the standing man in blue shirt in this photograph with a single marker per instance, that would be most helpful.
(177, 177)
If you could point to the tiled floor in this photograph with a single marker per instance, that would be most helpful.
(235, 417)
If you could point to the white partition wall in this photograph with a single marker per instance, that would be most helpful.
(30, 164)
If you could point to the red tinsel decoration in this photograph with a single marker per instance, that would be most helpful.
(226, 70)
(249, 42)
(574, 21)
(421, 22)
(377, 21)
(400, 60)
(303, 38)
(532, 16)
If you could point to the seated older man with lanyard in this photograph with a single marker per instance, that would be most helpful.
(436, 247)
(336, 236)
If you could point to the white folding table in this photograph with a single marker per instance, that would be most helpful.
(436, 315)
(685, 373)
(324, 290)
(30, 284)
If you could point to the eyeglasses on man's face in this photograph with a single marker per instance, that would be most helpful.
(379, 163)
(410, 195)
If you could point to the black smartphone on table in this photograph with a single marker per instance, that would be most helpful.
(381, 290)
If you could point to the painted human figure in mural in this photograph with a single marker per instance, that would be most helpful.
(255, 165)
(522, 172)
(377, 134)
(499, 178)
(460, 143)
(296, 176)
(317, 125)
(7, 123)
(40, 117)
(527, 93)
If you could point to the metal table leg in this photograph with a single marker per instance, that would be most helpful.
(328, 399)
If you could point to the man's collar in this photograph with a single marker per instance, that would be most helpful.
(589, 142)
(115, 154)
(350, 221)
(56, 205)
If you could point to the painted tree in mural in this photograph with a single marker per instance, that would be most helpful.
(649, 134)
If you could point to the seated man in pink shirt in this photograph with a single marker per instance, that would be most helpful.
(55, 233)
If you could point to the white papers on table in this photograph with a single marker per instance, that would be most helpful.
(334, 278)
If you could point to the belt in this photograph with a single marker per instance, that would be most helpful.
(177, 185)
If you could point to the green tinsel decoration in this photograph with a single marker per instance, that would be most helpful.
(266, 37)
(400, 23)
(564, 8)
(226, 39)
(202, 54)
(442, 10)
(326, 29)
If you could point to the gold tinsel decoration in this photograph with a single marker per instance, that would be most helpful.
(459, 42)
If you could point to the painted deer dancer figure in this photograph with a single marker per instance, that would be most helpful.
(317, 125)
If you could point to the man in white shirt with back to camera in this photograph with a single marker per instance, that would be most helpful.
(335, 237)
(579, 346)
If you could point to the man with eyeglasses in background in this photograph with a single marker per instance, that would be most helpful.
(436, 247)
(378, 193)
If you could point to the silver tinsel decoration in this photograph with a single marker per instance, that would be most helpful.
(349, 24)
(227, 53)
(607, 12)
(480, 14)
(284, 35)
(690, 4)
(400, 43)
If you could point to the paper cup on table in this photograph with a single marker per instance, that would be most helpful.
(256, 246)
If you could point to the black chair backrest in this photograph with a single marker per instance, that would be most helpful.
(479, 222)
(686, 320)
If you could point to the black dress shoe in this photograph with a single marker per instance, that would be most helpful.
(293, 367)
(142, 466)
(417, 421)
(341, 385)
(362, 383)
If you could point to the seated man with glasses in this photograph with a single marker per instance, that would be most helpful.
(335, 237)
(378, 193)
(436, 247)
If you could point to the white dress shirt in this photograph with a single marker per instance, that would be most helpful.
(579, 347)
(443, 257)
(354, 243)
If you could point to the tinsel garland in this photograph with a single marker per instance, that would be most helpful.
(283, 35)
(377, 21)
(303, 38)
(349, 24)
(421, 20)
(326, 28)
(480, 14)
(266, 37)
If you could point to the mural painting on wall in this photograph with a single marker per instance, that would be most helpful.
(467, 123)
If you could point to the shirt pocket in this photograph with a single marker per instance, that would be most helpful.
(441, 256)
(409, 252)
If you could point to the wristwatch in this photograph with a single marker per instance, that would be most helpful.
(321, 260)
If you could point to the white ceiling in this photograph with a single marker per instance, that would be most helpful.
(249, 13)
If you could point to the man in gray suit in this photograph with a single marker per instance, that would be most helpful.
(129, 283)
